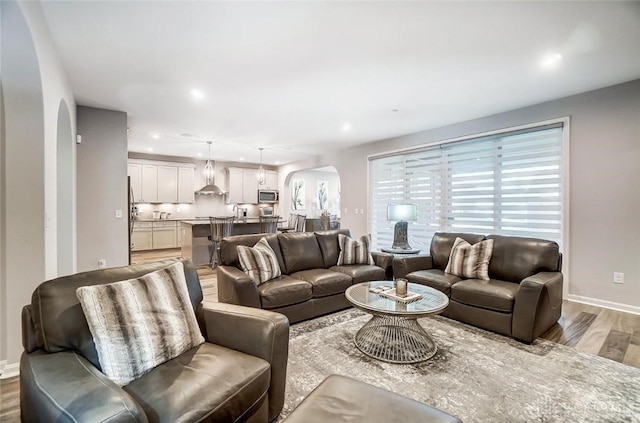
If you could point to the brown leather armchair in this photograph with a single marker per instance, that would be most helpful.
(238, 374)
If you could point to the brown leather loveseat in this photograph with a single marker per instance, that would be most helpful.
(237, 374)
(311, 283)
(523, 297)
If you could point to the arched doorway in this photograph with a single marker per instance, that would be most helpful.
(314, 193)
(65, 189)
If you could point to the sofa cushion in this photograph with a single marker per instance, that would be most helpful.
(434, 278)
(492, 294)
(324, 282)
(354, 251)
(516, 258)
(361, 272)
(196, 386)
(140, 323)
(441, 245)
(259, 261)
(229, 250)
(328, 242)
(300, 251)
(470, 261)
(283, 291)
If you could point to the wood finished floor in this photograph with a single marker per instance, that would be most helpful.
(611, 334)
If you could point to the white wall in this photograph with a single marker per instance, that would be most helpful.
(102, 188)
(33, 84)
(604, 180)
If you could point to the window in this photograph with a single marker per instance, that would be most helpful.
(509, 183)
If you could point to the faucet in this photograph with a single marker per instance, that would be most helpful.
(235, 210)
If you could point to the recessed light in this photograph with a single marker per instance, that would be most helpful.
(277, 161)
(199, 154)
(394, 110)
(551, 60)
(155, 136)
(149, 149)
(241, 159)
(346, 126)
(197, 94)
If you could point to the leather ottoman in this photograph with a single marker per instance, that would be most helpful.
(339, 398)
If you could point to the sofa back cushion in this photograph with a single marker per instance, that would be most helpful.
(57, 315)
(300, 251)
(516, 258)
(329, 245)
(442, 243)
(229, 248)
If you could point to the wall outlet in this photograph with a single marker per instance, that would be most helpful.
(355, 211)
(618, 277)
(361, 211)
(118, 214)
(346, 210)
(102, 263)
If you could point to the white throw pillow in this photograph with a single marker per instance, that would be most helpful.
(354, 251)
(259, 262)
(470, 261)
(140, 323)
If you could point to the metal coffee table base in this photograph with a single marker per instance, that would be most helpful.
(395, 340)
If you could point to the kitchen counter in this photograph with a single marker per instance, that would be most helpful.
(195, 232)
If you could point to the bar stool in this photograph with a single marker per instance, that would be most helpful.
(291, 224)
(221, 227)
(300, 222)
(269, 224)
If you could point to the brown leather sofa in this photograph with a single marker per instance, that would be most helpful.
(523, 297)
(311, 283)
(238, 374)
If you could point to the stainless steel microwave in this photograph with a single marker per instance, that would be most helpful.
(267, 196)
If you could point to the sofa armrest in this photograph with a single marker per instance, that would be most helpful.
(261, 333)
(65, 387)
(385, 261)
(402, 266)
(235, 287)
(538, 304)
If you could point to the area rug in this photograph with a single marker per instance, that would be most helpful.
(476, 375)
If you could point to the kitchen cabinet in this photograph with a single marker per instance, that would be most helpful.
(142, 236)
(161, 182)
(134, 170)
(167, 184)
(186, 191)
(271, 180)
(149, 190)
(242, 185)
(164, 235)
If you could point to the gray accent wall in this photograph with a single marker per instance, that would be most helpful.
(604, 178)
(102, 188)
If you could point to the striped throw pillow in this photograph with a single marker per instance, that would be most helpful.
(140, 323)
(470, 261)
(259, 262)
(354, 251)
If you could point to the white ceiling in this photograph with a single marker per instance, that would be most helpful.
(287, 76)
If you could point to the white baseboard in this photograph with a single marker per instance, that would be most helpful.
(9, 370)
(603, 303)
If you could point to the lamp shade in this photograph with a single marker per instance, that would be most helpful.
(402, 212)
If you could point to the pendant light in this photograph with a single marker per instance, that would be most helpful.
(209, 172)
(210, 187)
(262, 177)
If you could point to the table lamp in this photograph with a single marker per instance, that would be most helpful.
(401, 213)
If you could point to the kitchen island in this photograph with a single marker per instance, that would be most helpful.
(195, 232)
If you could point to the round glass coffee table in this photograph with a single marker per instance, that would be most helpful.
(393, 334)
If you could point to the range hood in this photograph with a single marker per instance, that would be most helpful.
(211, 189)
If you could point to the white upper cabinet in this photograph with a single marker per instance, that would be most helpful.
(271, 180)
(161, 182)
(242, 185)
(134, 170)
(167, 184)
(185, 184)
(149, 192)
